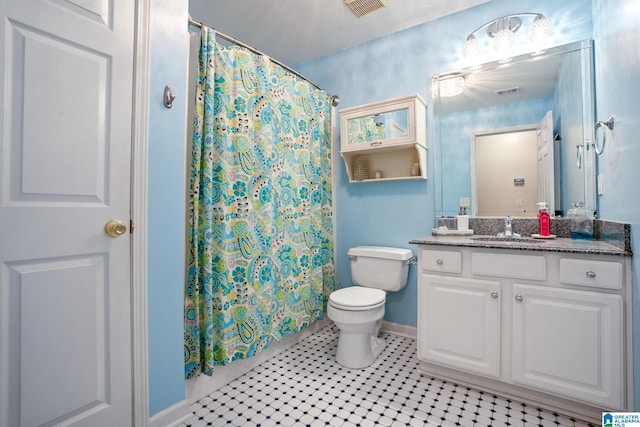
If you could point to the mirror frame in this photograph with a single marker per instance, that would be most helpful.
(588, 118)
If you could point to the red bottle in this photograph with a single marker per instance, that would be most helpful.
(544, 219)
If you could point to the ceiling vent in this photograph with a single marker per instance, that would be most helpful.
(508, 90)
(363, 7)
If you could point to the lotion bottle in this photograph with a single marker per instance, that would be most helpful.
(544, 219)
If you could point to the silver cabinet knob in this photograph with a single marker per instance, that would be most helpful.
(439, 261)
(494, 294)
(591, 274)
(519, 298)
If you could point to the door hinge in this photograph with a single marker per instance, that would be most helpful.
(132, 225)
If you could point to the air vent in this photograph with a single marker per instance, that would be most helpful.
(507, 91)
(363, 7)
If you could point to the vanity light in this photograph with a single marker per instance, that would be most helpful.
(502, 32)
(451, 86)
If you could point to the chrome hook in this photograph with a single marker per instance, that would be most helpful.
(168, 97)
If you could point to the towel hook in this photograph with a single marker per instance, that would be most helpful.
(600, 124)
(168, 97)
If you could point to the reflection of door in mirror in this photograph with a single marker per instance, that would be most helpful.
(546, 163)
(513, 169)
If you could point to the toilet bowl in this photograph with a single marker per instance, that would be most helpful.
(358, 310)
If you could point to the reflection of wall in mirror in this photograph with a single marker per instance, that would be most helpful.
(568, 124)
(399, 124)
(457, 131)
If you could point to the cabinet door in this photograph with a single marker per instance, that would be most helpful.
(459, 323)
(569, 343)
(378, 126)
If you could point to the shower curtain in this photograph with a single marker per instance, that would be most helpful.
(260, 245)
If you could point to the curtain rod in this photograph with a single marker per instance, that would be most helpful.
(334, 98)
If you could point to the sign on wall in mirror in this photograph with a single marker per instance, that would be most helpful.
(549, 96)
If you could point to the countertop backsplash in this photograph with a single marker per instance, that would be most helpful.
(612, 232)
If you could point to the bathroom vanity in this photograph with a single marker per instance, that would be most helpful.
(546, 321)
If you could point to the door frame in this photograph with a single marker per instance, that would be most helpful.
(139, 177)
(472, 154)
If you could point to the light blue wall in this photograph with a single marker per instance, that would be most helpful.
(166, 195)
(392, 213)
(617, 53)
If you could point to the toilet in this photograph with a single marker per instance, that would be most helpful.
(358, 310)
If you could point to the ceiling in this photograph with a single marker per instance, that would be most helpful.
(526, 77)
(296, 31)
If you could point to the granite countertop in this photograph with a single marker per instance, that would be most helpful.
(567, 245)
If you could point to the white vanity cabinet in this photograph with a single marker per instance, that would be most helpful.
(549, 327)
(569, 342)
(386, 136)
(461, 324)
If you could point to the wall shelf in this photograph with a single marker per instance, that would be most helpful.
(387, 136)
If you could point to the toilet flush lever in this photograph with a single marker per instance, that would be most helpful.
(412, 260)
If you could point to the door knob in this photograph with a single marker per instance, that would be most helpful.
(115, 228)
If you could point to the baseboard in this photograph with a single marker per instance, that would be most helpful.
(398, 329)
(203, 385)
(173, 416)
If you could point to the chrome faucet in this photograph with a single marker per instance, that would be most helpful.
(508, 231)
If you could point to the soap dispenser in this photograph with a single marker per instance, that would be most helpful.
(544, 219)
(581, 224)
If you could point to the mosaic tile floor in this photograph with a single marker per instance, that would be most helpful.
(304, 386)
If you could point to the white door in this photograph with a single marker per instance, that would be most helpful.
(569, 343)
(546, 168)
(504, 172)
(65, 146)
(459, 325)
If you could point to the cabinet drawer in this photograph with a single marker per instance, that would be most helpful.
(597, 274)
(529, 267)
(441, 261)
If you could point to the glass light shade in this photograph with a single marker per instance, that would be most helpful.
(472, 48)
(504, 40)
(539, 34)
(540, 30)
(451, 87)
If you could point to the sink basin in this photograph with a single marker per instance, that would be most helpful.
(505, 239)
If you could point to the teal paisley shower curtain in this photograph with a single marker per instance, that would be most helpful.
(260, 251)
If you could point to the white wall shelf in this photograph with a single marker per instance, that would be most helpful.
(388, 136)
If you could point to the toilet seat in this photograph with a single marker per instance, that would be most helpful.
(357, 298)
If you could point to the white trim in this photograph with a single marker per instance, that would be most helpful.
(172, 416)
(139, 175)
(335, 162)
(399, 329)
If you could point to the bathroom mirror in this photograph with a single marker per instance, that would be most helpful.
(376, 127)
(480, 116)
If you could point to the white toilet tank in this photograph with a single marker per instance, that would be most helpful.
(379, 267)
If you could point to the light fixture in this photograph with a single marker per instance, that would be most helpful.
(539, 33)
(451, 86)
(502, 32)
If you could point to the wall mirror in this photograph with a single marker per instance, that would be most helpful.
(379, 126)
(509, 135)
